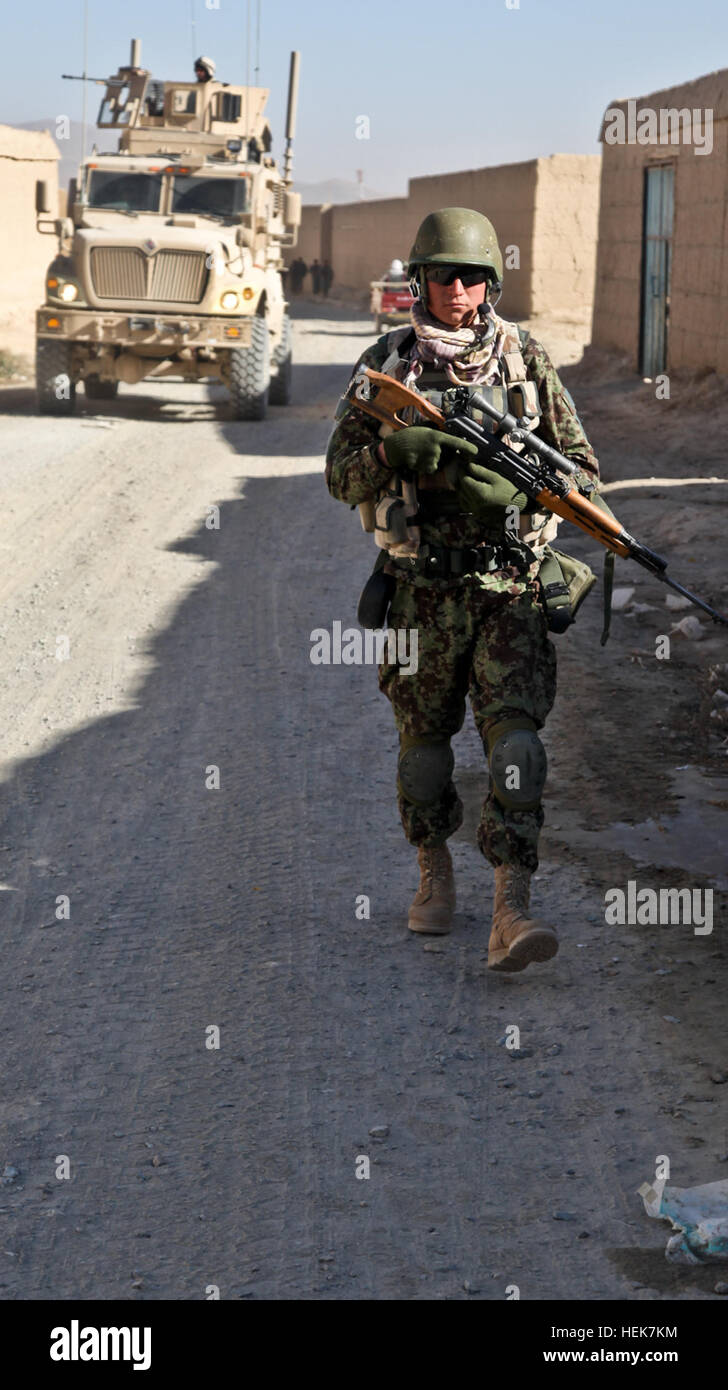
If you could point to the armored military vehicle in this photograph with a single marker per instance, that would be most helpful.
(169, 261)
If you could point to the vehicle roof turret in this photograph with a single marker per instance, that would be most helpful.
(205, 118)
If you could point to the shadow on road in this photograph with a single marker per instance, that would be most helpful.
(190, 906)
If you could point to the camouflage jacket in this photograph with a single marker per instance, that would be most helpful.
(354, 474)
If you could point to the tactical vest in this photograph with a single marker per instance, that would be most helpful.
(387, 516)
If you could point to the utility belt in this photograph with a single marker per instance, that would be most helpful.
(433, 562)
(565, 581)
(450, 562)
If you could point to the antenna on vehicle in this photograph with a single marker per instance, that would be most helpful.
(291, 115)
(85, 70)
(192, 30)
(247, 69)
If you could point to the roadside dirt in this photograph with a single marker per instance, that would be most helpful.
(193, 908)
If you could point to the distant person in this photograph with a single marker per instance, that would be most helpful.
(204, 69)
(298, 273)
(396, 273)
(154, 100)
(327, 276)
(316, 277)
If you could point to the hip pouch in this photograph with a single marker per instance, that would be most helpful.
(565, 583)
(376, 596)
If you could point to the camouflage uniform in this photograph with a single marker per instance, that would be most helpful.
(482, 635)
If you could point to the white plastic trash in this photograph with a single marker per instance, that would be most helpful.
(699, 1217)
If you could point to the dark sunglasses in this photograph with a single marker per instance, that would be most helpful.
(447, 274)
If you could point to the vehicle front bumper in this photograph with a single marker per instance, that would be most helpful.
(128, 330)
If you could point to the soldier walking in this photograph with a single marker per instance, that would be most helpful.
(298, 273)
(467, 581)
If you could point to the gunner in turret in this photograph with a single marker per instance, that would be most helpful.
(204, 69)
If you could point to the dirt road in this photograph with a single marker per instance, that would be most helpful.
(194, 906)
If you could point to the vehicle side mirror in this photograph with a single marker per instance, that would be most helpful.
(42, 197)
(72, 193)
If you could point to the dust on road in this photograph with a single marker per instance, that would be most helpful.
(193, 908)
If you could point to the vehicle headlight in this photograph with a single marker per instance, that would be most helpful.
(68, 292)
(229, 300)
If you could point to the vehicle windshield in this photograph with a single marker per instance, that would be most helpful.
(210, 197)
(124, 192)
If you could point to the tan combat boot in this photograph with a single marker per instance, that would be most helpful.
(517, 939)
(433, 905)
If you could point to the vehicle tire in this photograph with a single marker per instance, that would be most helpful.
(281, 383)
(250, 375)
(55, 387)
(98, 390)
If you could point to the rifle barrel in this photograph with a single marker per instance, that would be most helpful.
(679, 589)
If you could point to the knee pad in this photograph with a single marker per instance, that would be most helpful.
(424, 769)
(517, 761)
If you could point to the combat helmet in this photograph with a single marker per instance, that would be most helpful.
(456, 236)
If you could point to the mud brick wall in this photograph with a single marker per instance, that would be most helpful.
(25, 156)
(545, 208)
(698, 317)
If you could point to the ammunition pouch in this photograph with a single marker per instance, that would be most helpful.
(565, 583)
(395, 529)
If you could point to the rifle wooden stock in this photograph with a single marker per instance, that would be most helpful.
(382, 396)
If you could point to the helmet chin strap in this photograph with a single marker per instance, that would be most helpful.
(416, 289)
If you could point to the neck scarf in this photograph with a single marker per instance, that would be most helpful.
(468, 356)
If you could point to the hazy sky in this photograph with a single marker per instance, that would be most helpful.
(445, 84)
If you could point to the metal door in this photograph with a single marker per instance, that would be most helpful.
(656, 262)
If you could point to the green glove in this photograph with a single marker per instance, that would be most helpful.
(419, 449)
(480, 489)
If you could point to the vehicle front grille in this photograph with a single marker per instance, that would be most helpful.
(124, 272)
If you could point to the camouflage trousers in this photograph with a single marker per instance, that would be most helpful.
(484, 637)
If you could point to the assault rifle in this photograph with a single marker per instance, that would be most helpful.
(540, 477)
